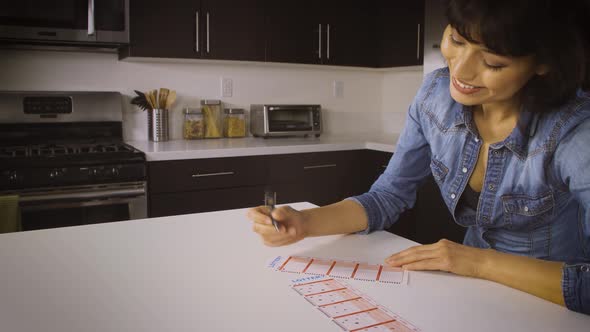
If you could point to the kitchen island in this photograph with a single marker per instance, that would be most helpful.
(208, 272)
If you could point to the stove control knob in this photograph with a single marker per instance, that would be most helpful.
(115, 171)
(12, 176)
(55, 173)
(93, 171)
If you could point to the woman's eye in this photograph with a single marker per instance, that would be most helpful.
(454, 40)
(494, 67)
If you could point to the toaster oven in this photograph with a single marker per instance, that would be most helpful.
(271, 120)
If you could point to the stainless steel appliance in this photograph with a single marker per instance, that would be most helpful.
(63, 154)
(66, 22)
(272, 120)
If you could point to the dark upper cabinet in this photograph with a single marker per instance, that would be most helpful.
(233, 29)
(373, 33)
(210, 29)
(350, 33)
(330, 32)
(160, 29)
(400, 33)
(294, 31)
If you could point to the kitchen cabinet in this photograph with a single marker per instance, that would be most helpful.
(293, 32)
(330, 32)
(401, 33)
(206, 29)
(321, 178)
(201, 185)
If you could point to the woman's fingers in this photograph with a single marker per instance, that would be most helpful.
(411, 255)
(432, 264)
(260, 215)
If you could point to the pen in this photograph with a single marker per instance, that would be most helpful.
(270, 199)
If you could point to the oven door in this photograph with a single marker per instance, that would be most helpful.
(290, 118)
(82, 205)
(69, 21)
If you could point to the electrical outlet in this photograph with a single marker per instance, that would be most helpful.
(227, 87)
(338, 89)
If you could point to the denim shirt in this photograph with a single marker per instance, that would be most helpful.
(535, 199)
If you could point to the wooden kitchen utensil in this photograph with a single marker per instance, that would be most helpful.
(162, 97)
(171, 98)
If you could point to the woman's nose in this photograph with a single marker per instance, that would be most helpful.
(465, 66)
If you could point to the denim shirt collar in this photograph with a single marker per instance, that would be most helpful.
(517, 141)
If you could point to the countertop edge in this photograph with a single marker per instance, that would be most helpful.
(176, 153)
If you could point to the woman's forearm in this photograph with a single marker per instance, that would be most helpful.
(535, 276)
(339, 218)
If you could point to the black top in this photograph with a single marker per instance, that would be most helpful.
(470, 198)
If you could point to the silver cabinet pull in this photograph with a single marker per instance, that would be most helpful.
(320, 39)
(212, 174)
(319, 166)
(91, 27)
(208, 33)
(418, 44)
(197, 48)
(328, 42)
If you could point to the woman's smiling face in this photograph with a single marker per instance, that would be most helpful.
(479, 76)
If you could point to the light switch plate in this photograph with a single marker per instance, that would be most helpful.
(338, 89)
(227, 87)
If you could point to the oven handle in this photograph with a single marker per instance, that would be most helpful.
(83, 196)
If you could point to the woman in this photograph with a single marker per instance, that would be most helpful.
(505, 131)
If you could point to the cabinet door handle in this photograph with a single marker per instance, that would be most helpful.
(212, 174)
(320, 39)
(319, 166)
(418, 44)
(91, 25)
(197, 48)
(208, 33)
(328, 42)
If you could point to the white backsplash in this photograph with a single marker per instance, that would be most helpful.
(374, 101)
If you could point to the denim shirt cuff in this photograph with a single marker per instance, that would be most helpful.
(370, 208)
(575, 284)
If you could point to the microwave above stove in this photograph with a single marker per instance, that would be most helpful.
(103, 23)
(273, 120)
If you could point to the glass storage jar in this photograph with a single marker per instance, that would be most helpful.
(193, 125)
(213, 117)
(234, 123)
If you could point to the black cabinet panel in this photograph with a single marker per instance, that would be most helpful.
(293, 32)
(168, 204)
(198, 174)
(234, 29)
(351, 33)
(160, 29)
(401, 28)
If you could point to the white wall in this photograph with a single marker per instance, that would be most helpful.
(374, 101)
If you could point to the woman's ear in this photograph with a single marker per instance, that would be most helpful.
(542, 70)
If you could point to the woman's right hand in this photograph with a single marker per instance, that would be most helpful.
(291, 224)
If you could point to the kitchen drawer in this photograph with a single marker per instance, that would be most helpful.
(314, 167)
(168, 204)
(198, 174)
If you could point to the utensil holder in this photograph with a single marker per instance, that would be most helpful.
(158, 125)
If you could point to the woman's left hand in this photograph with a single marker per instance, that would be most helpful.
(444, 255)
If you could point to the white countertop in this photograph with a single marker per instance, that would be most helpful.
(208, 272)
(252, 146)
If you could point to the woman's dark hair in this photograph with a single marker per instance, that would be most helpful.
(555, 32)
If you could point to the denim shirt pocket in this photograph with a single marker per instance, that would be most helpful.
(439, 171)
(522, 212)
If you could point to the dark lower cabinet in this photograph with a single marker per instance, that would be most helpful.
(167, 204)
(322, 178)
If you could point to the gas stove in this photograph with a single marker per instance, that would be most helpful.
(64, 151)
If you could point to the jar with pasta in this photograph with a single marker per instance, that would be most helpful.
(213, 117)
(193, 125)
(234, 123)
